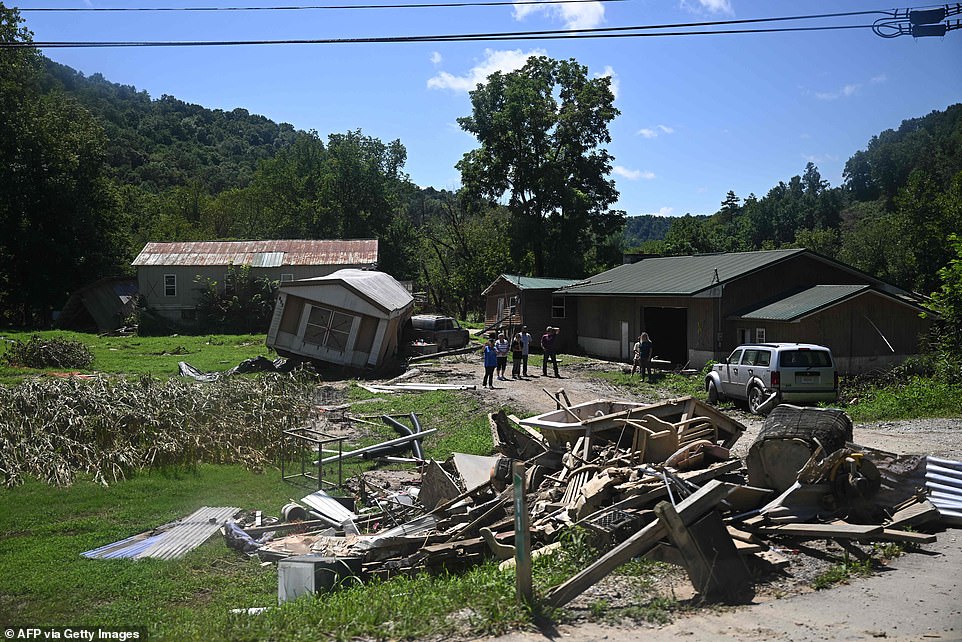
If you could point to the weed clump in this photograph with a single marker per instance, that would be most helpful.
(48, 353)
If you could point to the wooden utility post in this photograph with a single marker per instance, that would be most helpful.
(522, 538)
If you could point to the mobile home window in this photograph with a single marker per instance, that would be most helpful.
(287, 277)
(557, 307)
(759, 335)
(328, 328)
(170, 285)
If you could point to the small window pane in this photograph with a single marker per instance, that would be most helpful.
(170, 285)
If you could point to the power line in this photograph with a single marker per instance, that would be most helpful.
(533, 35)
(559, 34)
(420, 5)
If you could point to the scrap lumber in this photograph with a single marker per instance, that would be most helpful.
(689, 510)
(711, 559)
(814, 531)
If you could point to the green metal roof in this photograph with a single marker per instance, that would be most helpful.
(805, 302)
(537, 283)
(677, 275)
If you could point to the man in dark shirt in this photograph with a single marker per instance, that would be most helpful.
(549, 345)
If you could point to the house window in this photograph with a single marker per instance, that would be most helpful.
(513, 305)
(759, 335)
(170, 285)
(328, 329)
(286, 277)
(557, 307)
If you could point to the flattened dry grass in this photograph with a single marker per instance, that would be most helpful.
(54, 429)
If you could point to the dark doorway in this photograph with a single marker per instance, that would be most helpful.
(668, 329)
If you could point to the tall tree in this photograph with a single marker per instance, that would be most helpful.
(541, 130)
(59, 214)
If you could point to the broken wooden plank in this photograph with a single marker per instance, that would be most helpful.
(893, 535)
(711, 559)
(834, 531)
(689, 510)
(914, 514)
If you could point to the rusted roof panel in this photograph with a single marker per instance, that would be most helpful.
(260, 253)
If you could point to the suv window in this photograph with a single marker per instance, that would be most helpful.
(735, 356)
(806, 359)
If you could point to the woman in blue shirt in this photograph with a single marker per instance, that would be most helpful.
(490, 362)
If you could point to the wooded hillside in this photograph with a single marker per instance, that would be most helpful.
(91, 170)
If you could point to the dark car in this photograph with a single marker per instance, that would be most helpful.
(441, 330)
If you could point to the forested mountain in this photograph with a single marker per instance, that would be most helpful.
(644, 228)
(164, 143)
(91, 170)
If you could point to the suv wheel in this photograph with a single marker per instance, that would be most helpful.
(755, 399)
(713, 395)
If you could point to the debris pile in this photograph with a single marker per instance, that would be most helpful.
(656, 480)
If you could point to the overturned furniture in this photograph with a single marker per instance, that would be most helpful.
(654, 431)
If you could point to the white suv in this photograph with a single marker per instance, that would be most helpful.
(794, 372)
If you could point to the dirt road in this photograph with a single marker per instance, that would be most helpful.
(918, 597)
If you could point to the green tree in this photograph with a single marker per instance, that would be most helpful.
(60, 216)
(947, 303)
(541, 130)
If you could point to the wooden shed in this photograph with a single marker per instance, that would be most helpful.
(513, 301)
(350, 318)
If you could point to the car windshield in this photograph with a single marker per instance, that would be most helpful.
(806, 359)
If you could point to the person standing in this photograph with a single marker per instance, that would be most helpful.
(636, 356)
(525, 348)
(490, 362)
(645, 352)
(549, 345)
(516, 356)
(501, 346)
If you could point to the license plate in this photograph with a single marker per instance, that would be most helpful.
(806, 379)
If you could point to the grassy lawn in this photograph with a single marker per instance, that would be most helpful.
(46, 582)
(157, 356)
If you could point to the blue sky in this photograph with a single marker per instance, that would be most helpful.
(700, 115)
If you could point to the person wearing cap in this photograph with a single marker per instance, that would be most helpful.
(525, 346)
(501, 347)
(549, 346)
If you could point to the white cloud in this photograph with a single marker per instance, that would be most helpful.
(436, 57)
(615, 85)
(820, 158)
(665, 211)
(632, 174)
(495, 60)
(878, 79)
(581, 15)
(844, 92)
(711, 6)
(656, 131)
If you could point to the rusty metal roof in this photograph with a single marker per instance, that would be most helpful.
(260, 253)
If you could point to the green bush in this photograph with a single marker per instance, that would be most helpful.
(38, 352)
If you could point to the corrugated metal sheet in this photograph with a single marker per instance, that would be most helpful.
(677, 275)
(531, 282)
(291, 252)
(268, 259)
(169, 541)
(805, 302)
(331, 509)
(381, 288)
